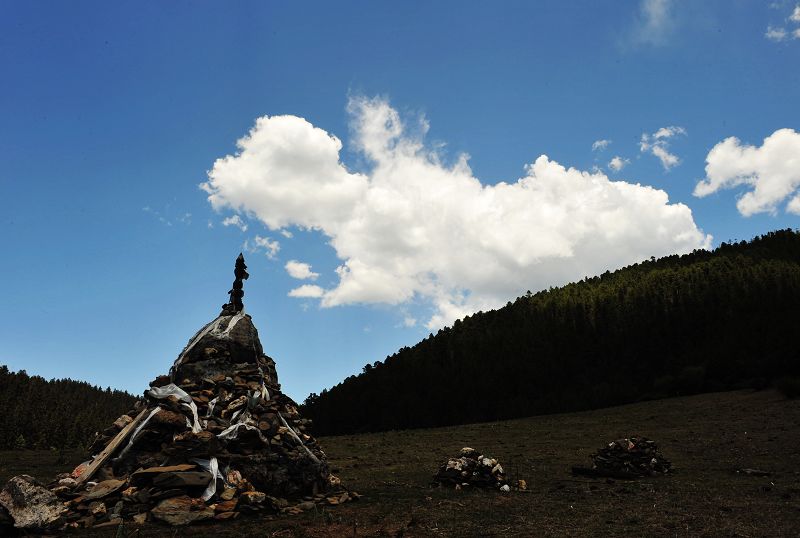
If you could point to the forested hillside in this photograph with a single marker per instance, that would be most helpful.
(60, 413)
(677, 325)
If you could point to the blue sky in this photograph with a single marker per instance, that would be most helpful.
(113, 116)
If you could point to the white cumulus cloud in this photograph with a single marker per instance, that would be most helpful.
(795, 16)
(413, 227)
(772, 170)
(235, 220)
(307, 185)
(618, 163)
(307, 291)
(658, 145)
(300, 270)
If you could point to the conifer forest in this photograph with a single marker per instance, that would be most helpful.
(699, 322)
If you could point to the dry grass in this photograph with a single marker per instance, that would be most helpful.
(706, 437)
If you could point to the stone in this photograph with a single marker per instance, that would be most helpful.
(169, 418)
(143, 476)
(227, 494)
(140, 519)
(31, 506)
(122, 421)
(280, 502)
(186, 479)
(104, 489)
(130, 494)
(117, 510)
(306, 505)
(97, 508)
(252, 497)
(113, 522)
(222, 516)
(183, 510)
(166, 494)
(225, 506)
(68, 481)
(61, 490)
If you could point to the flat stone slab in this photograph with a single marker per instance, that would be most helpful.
(146, 475)
(184, 510)
(104, 489)
(186, 479)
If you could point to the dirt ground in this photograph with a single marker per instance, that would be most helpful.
(707, 437)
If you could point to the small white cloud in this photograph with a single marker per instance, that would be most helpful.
(618, 163)
(669, 132)
(668, 160)
(408, 321)
(658, 143)
(286, 233)
(235, 220)
(307, 291)
(654, 23)
(300, 270)
(210, 224)
(599, 145)
(265, 244)
(794, 205)
(795, 16)
(796, 33)
(776, 34)
(773, 170)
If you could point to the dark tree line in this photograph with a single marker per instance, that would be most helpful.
(703, 321)
(59, 413)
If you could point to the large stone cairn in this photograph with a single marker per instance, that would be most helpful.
(213, 439)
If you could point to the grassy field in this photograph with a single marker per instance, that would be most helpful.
(707, 438)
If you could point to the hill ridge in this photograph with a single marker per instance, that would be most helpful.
(681, 324)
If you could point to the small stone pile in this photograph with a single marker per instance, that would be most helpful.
(634, 457)
(214, 439)
(471, 468)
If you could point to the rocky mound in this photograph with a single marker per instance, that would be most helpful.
(213, 439)
(627, 458)
(471, 468)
